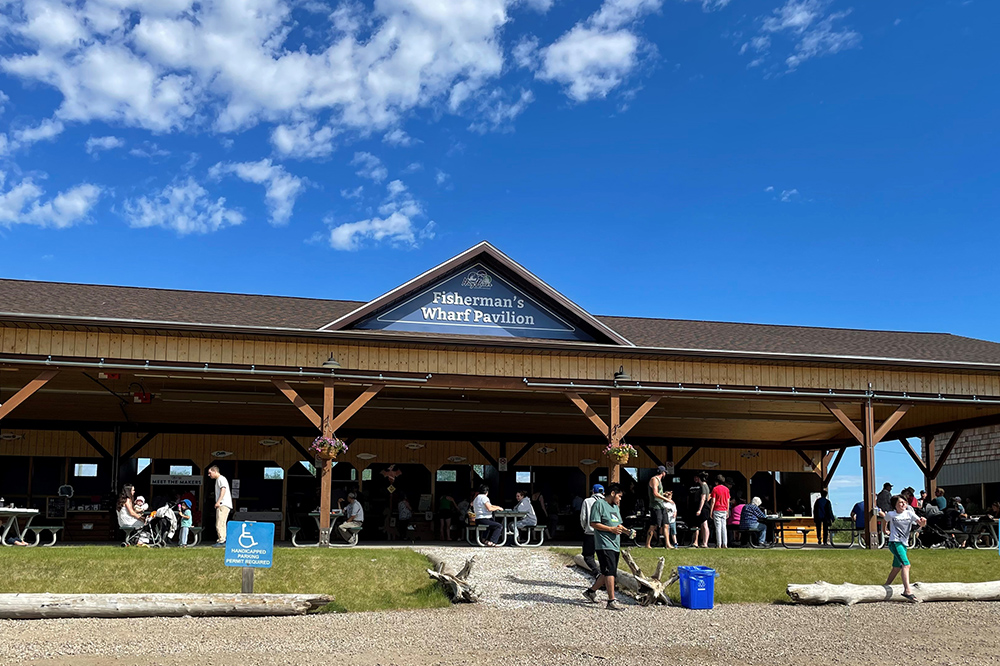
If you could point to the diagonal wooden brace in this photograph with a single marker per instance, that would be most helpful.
(297, 400)
(26, 392)
(355, 406)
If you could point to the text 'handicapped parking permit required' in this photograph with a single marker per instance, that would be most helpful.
(249, 544)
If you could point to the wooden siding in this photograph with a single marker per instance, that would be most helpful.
(403, 358)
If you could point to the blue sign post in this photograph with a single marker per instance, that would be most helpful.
(249, 545)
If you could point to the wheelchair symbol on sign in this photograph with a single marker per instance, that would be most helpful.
(244, 535)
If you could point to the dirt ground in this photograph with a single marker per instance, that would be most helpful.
(553, 630)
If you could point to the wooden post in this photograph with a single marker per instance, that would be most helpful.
(930, 482)
(284, 500)
(613, 437)
(868, 472)
(324, 471)
(247, 580)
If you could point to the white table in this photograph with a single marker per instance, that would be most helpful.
(9, 518)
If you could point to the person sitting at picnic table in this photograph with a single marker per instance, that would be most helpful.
(922, 500)
(482, 510)
(940, 501)
(823, 517)
(909, 494)
(752, 520)
(354, 517)
(858, 515)
(736, 505)
(524, 506)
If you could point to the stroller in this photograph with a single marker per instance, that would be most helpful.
(159, 529)
(937, 534)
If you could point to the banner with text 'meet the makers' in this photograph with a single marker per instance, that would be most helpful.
(476, 301)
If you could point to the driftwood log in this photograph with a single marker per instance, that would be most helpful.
(455, 583)
(40, 606)
(827, 593)
(645, 590)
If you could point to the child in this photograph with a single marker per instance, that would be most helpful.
(186, 521)
(897, 526)
(140, 504)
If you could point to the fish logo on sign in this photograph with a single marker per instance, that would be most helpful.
(478, 280)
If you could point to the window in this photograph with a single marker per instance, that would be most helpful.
(633, 472)
(274, 473)
(480, 471)
(309, 466)
(522, 477)
(602, 478)
(366, 475)
(143, 464)
(181, 470)
(84, 469)
(447, 475)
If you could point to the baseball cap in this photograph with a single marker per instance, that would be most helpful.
(661, 470)
(598, 488)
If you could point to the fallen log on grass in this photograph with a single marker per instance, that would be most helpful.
(645, 590)
(850, 594)
(455, 583)
(41, 606)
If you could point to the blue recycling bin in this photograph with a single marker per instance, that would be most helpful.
(697, 587)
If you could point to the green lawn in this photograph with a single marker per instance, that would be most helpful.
(761, 576)
(359, 579)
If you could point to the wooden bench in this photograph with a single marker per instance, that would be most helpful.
(38, 529)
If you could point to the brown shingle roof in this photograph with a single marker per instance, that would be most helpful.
(82, 301)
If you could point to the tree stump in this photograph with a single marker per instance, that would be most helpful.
(455, 583)
(849, 594)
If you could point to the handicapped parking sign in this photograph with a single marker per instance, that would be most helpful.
(249, 544)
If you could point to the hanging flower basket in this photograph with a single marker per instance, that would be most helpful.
(621, 453)
(328, 448)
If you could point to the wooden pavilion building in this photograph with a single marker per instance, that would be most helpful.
(476, 368)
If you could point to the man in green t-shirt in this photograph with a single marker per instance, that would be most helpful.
(606, 519)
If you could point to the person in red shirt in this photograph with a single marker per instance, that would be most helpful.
(718, 502)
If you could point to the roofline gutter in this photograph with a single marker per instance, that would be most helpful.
(208, 369)
(758, 392)
(554, 345)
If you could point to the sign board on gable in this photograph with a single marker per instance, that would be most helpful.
(249, 544)
(174, 480)
(476, 301)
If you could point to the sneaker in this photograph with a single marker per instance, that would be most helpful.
(614, 605)
(219, 544)
(591, 596)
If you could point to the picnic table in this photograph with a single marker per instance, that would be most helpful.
(779, 525)
(334, 515)
(982, 531)
(9, 518)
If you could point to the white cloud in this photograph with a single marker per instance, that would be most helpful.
(413, 167)
(353, 194)
(171, 64)
(789, 195)
(281, 188)
(22, 204)
(398, 137)
(441, 177)
(184, 207)
(370, 167)
(497, 113)
(525, 52)
(303, 140)
(96, 144)
(845, 482)
(540, 6)
(395, 224)
(149, 150)
(47, 130)
(810, 28)
(597, 54)
(769, 188)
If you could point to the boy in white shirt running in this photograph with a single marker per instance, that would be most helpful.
(897, 526)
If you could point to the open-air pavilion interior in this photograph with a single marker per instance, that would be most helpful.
(474, 371)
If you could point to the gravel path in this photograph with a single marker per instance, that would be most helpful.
(530, 624)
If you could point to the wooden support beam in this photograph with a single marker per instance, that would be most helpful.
(29, 389)
(301, 449)
(355, 406)
(649, 452)
(930, 483)
(835, 465)
(846, 422)
(326, 466)
(913, 454)
(138, 445)
(809, 461)
(614, 435)
(887, 425)
(297, 400)
(638, 415)
(870, 538)
(484, 453)
(589, 413)
(947, 452)
(94, 444)
(686, 457)
(520, 454)
(328, 428)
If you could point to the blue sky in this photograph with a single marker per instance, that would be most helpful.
(815, 162)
